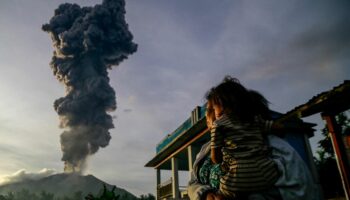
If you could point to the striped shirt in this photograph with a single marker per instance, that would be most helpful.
(245, 155)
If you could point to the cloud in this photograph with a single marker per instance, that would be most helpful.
(264, 43)
(23, 175)
(127, 110)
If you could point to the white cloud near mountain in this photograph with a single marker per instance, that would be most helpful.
(23, 175)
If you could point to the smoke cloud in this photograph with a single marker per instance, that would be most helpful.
(87, 42)
(22, 175)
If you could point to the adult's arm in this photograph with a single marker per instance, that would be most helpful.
(196, 190)
(295, 181)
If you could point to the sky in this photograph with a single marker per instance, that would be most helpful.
(288, 50)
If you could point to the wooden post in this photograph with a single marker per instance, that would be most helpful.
(191, 158)
(339, 150)
(175, 178)
(158, 183)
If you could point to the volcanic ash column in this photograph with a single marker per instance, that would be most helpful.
(87, 41)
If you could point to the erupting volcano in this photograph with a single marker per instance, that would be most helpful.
(87, 42)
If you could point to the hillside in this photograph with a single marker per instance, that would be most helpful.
(64, 185)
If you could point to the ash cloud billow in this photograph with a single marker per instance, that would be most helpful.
(87, 42)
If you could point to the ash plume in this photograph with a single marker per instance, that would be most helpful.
(87, 42)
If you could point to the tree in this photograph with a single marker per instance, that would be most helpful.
(46, 196)
(25, 194)
(78, 195)
(10, 196)
(147, 197)
(2, 197)
(326, 163)
(106, 195)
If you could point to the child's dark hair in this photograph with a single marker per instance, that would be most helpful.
(234, 97)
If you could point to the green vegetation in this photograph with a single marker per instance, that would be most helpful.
(326, 164)
(147, 197)
(104, 194)
(27, 195)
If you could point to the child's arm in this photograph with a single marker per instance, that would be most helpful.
(216, 155)
(275, 127)
(216, 143)
(270, 126)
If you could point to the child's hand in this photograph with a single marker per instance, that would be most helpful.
(209, 123)
(210, 117)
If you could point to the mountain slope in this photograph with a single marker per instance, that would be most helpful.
(64, 185)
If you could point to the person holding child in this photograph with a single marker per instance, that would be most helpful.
(237, 162)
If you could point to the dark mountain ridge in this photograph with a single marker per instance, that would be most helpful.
(65, 185)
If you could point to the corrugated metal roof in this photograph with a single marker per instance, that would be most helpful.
(332, 101)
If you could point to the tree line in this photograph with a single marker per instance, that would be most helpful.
(105, 194)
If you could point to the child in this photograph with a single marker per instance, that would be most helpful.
(235, 118)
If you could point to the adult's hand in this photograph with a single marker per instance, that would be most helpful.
(212, 196)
